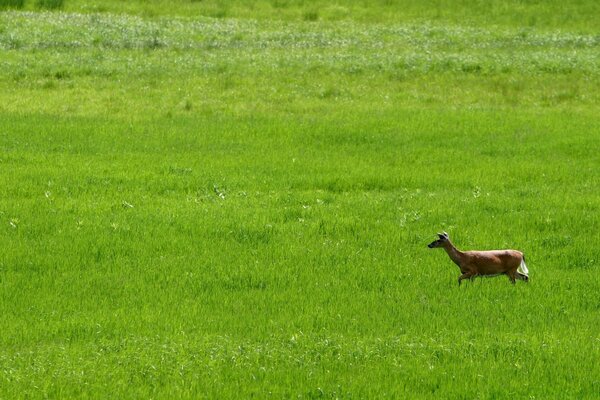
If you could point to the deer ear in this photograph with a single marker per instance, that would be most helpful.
(441, 236)
(446, 235)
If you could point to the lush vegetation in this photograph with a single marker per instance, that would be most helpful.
(236, 203)
(576, 15)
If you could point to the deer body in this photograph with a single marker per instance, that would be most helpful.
(484, 263)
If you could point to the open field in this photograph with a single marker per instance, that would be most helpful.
(239, 204)
(575, 15)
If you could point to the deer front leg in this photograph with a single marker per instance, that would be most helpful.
(466, 275)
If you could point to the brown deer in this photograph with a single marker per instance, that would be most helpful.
(484, 263)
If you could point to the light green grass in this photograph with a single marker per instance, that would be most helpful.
(227, 208)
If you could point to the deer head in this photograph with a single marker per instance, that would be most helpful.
(443, 238)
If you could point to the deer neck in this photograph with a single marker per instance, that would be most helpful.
(455, 255)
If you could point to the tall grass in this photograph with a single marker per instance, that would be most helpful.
(8, 4)
(45, 4)
(50, 4)
(577, 16)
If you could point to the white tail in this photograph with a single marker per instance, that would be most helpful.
(522, 270)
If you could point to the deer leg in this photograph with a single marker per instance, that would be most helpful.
(466, 275)
(512, 277)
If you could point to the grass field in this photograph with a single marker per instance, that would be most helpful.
(234, 199)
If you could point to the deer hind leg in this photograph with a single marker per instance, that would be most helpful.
(512, 275)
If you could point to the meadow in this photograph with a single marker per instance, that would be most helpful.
(209, 199)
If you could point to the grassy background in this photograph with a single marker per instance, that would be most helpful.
(576, 15)
(238, 204)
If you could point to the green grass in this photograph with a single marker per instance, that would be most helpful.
(11, 4)
(550, 15)
(238, 205)
(49, 4)
(578, 15)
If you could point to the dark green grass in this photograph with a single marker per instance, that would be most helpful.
(49, 4)
(11, 4)
(225, 208)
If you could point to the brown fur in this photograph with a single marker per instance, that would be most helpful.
(482, 263)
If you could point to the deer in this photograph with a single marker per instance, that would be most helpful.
(484, 263)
